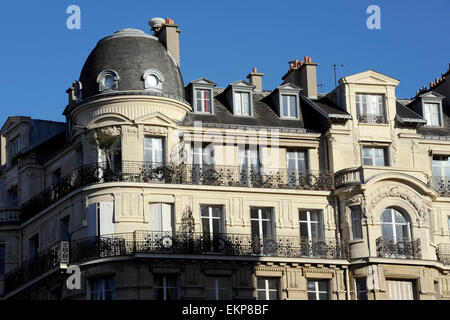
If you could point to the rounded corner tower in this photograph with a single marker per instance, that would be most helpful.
(126, 56)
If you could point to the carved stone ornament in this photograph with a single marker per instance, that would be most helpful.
(398, 192)
(160, 131)
(112, 131)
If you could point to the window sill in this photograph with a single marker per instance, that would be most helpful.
(374, 124)
(356, 241)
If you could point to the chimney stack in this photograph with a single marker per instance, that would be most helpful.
(168, 34)
(304, 75)
(255, 78)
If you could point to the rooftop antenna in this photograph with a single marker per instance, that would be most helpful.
(335, 66)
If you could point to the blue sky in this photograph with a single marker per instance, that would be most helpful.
(222, 41)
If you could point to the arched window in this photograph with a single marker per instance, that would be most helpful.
(395, 225)
(108, 80)
(153, 80)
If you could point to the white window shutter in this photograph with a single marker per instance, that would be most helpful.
(92, 220)
(106, 220)
(166, 217)
(155, 217)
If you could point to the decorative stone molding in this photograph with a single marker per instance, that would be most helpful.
(158, 131)
(422, 208)
(113, 131)
(394, 147)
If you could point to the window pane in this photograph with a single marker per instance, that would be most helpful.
(293, 106)
(387, 231)
(237, 100)
(261, 295)
(312, 296)
(273, 295)
(323, 296)
(285, 106)
(261, 283)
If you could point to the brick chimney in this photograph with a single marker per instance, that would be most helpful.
(304, 75)
(255, 79)
(168, 34)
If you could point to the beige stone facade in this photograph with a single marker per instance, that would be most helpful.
(49, 196)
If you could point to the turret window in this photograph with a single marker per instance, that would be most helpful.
(153, 80)
(108, 80)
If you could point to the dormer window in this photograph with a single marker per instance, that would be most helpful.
(286, 101)
(289, 106)
(242, 103)
(370, 108)
(203, 100)
(239, 98)
(153, 80)
(432, 113)
(108, 80)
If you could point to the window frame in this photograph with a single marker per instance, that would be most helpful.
(241, 93)
(165, 287)
(386, 155)
(16, 145)
(202, 98)
(309, 223)
(260, 219)
(163, 149)
(103, 287)
(441, 115)
(358, 226)
(267, 288)
(317, 291)
(359, 107)
(297, 107)
(217, 287)
(102, 87)
(359, 292)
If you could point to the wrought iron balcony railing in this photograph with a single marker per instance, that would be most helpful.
(149, 172)
(443, 253)
(140, 242)
(372, 118)
(404, 248)
(9, 215)
(442, 185)
(43, 262)
(198, 243)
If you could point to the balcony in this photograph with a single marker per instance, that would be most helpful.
(442, 185)
(199, 244)
(9, 216)
(372, 118)
(399, 249)
(46, 260)
(443, 253)
(144, 242)
(147, 172)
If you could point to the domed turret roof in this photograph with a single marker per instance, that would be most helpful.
(131, 52)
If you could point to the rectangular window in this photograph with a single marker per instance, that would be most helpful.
(212, 226)
(261, 223)
(56, 176)
(33, 247)
(311, 225)
(166, 287)
(296, 160)
(401, 289)
(267, 288)
(242, 104)
(318, 289)
(2, 259)
(161, 218)
(203, 100)
(65, 229)
(15, 146)
(13, 197)
(432, 113)
(154, 150)
(370, 108)
(101, 289)
(361, 289)
(289, 106)
(248, 157)
(355, 213)
(218, 288)
(375, 156)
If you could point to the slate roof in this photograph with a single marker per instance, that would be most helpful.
(263, 114)
(130, 52)
(406, 115)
